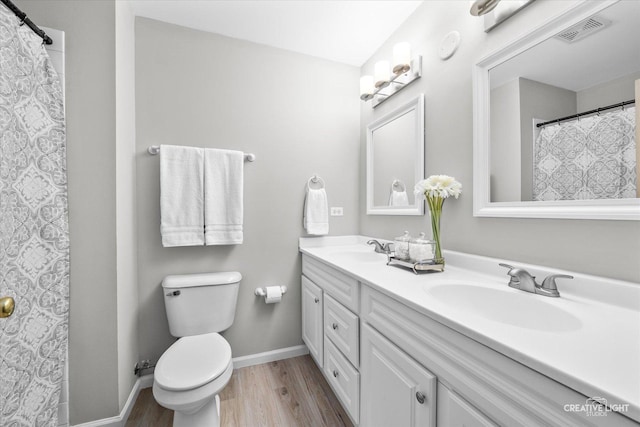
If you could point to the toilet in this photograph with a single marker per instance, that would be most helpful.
(191, 373)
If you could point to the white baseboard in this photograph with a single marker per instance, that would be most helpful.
(269, 356)
(146, 381)
(121, 419)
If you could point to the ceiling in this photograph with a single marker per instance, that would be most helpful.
(346, 31)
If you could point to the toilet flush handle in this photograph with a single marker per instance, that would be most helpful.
(173, 294)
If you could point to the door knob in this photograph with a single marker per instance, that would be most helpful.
(7, 305)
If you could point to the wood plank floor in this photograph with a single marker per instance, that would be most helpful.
(284, 393)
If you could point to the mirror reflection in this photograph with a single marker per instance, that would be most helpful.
(392, 148)
(395, 160)
(563, 114)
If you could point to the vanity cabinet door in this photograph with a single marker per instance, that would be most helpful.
(395, 389)
(312, 326)
(454, 411)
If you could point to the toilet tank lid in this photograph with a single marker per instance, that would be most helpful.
(201, 279)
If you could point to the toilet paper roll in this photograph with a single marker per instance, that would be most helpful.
(274, 294)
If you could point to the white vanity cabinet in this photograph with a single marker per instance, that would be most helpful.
(396, 355)
(476, 386)
(331, 329)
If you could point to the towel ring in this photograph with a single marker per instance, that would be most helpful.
(315, 179)
(398, 185)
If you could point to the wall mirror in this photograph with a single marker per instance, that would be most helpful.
(395, 160)
(555, 119)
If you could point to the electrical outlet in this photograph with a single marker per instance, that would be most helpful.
(337, 211)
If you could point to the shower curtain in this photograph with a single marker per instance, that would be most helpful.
(34, 237)
(589, 158)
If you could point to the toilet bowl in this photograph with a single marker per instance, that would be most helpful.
(189, 376)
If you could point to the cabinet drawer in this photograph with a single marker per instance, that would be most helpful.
(345, 289)
(341, 326)
(343, 378)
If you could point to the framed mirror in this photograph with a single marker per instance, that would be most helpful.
(555, 132)
(395, 160)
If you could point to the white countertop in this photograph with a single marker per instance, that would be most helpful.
(594, 349)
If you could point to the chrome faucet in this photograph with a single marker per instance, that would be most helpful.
(521, 279)
(381, 248)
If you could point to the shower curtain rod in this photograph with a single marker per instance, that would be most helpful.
(23, 17)
(597, 110)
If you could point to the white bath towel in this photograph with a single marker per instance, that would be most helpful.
(316, 212)
(181, 196)
(223, 193)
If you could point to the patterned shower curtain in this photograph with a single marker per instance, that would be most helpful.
(34, 237)
(590, 158)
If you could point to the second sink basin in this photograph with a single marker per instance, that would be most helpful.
(506, 306)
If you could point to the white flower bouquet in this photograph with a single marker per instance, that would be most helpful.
(443, 186)
(435, 190)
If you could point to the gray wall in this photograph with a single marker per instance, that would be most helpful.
(299, 115)
(608, 248)
(505, 162)
(608, 93)
(90, 108)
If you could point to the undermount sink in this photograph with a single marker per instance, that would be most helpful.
(506, 306)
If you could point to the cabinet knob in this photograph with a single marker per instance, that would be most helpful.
(420, 397)
(334, 326)
(335, 373)
(316, 300)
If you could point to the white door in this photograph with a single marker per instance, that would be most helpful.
(395, 389)
(312, 326)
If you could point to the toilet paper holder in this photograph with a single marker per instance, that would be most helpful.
(261, 292)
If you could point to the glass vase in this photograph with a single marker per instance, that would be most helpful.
(435, 210)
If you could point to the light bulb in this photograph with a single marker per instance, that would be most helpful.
(381, 73)
(366, 87)
(401, 58)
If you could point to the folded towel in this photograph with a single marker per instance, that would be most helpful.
(181, 196)
(316, 212)
(398, 198)
(223, 192)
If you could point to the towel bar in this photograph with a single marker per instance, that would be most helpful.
(155, 149)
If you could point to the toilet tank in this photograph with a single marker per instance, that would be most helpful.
(200, 303)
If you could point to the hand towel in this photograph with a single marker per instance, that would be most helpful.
(223, 193)
(316, 212)
(398, 198)
(181, 196)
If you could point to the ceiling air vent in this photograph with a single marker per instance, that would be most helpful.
(583, 29)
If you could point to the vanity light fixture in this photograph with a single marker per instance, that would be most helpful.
(389, 79)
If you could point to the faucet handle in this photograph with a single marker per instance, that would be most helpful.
(510, 267)
(514, 280)
(550, 282)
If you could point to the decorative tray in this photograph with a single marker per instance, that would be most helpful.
(429, 265)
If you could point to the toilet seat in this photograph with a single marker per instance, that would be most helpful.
(192, 362)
